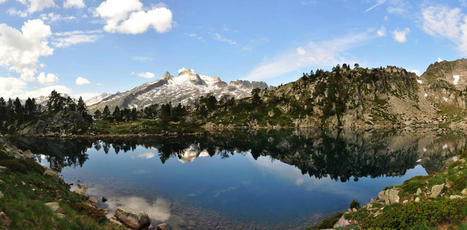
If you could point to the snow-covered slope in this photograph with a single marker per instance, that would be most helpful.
(185, 88)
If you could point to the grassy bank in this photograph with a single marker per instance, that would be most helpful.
(437, 201)
(32, 198)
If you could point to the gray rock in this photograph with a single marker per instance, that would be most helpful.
(455, 197)
(342, 222)
(50, 172)
(419, 191)
(389, 196)
(436, 190)
(162, 226)
(3, 169)
(417, 199)
(132, 220)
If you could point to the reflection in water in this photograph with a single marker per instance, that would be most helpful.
(339, 155)
(251, 180)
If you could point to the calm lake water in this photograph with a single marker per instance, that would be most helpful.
(264, 180)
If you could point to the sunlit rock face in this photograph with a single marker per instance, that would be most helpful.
(185, 88)
(445, 82)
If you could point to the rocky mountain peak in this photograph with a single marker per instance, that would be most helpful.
(453, 72)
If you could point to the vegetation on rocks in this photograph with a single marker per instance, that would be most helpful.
(32, 198)
(423, 202)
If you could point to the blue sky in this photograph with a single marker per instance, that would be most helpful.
(86, 47)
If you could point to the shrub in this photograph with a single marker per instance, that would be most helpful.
(354, 204)
(410, 215)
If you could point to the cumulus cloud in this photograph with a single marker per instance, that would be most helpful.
(66, 39)
(74, 3)
(37, 5)
(11, 87)
(401, 35)
(47, 79)
(381, 32)
(448, 23)
(128, 17)
(82, 81)
(146, 75)
(326, 53)
(20, 50)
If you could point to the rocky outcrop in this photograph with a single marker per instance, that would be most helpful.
(389, 196)
(132, 220)
(436, 190)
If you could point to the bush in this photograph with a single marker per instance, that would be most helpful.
(354, 204)
(410, 215)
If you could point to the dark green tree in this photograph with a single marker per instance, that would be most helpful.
(106, 114)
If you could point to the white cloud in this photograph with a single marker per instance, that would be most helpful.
(66, 39)
(47, 79)
(37, 5)
(128, 17)
(11, 87)
(416, 71)
(74, 3)
(195, 36)
(392, 6)
(14, 12)
(381, 32)
(146, 75)
(82, 81)
(52, 17)
(401, 35)
(378, 3)
(301, 51)
(20, 50)
(326, 53)
(448, 23)
(220, 38)
(2, 1)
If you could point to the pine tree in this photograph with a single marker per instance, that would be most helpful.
(97, 115)
(117, 115)
(106, 113)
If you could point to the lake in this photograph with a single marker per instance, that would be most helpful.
(280, 179)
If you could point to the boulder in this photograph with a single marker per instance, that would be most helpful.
(3, 169)
(455, 197)
(93, 199)
(389, 196)
(82, 191)
(464, 192)
(50, 172)
(342, 222)
(132, 220)
(419, 191)
(436, 190)
(417, 199)
(162, 226)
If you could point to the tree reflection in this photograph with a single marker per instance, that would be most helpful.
(337, 154)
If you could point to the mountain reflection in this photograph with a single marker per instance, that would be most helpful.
(337, 154)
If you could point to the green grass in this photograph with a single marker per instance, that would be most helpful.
(26, 190)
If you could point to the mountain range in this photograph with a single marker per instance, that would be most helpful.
(185, 89)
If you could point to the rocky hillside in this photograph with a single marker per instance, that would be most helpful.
(361, 97)
(185, 88)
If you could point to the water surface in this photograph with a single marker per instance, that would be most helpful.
(261, 180)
